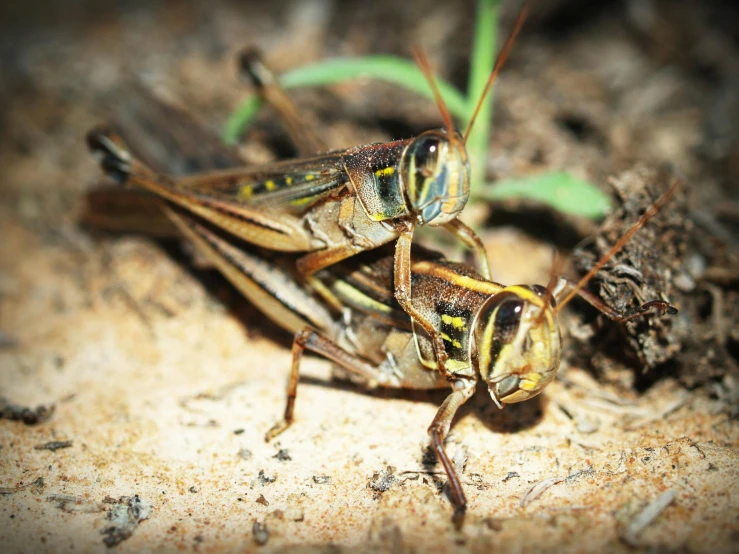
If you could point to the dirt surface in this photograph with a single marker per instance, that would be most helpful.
(137, 389)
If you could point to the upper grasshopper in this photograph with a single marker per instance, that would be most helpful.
(330, 206)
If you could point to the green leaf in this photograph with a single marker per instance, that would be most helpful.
(391, 69)
(558, 189)
(240, 119)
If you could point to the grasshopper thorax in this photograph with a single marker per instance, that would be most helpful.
(518, 343)
(435, 177)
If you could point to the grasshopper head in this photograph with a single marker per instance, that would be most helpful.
(436, 177)
(518, 343)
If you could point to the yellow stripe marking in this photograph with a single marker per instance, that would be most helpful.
(302, 201)
(529, 382)
(347, 291)
(476, 285)
(456, 322)
(454, 342)
(289, 181)
(310, 177)
(527, 295)
(485, 348)
(385, 171)
(246, 192)
(456, 366)
(270, 185)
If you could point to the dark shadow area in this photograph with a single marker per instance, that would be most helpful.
(537, 221)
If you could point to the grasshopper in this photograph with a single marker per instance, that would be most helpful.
(334, 205)
(506, 336)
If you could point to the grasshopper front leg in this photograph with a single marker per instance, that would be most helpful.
(470, 239)
(660, 307)
(402, 284)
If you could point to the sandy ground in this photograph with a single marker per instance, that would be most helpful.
(165, 394)
(165, 382)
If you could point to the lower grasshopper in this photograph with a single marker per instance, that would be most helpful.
(334, 205)
(506, 336)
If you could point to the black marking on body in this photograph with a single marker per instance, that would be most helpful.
(454, 325)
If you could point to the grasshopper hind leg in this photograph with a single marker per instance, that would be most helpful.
(253, 68)
(313, 341)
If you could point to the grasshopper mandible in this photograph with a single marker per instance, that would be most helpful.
(334, 205)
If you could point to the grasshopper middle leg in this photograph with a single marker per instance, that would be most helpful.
(313, 341)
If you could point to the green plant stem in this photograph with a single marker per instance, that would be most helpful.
(481, 64)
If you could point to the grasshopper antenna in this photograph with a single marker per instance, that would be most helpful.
(502, 57)
(649, 214)
(425, 67)
(554, 272)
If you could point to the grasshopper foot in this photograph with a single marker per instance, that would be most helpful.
(458, 516)
(657, 307)
(277, 429)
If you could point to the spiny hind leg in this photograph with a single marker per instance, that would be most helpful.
(254, 69)
(313, 341)
(320, 259)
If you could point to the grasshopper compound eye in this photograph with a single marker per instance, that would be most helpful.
(518, 344)
(437, 177)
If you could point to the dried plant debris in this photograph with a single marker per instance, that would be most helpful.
(283, 455)
(644, 269)
(678, 257)
(27, 415)
(537, 489)
(75, 504)
(260, 533)
(35, 486)
(244, 454)
(381, 481)
(630, 534)
(53, 445)
(124, 517)
(265, 479)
